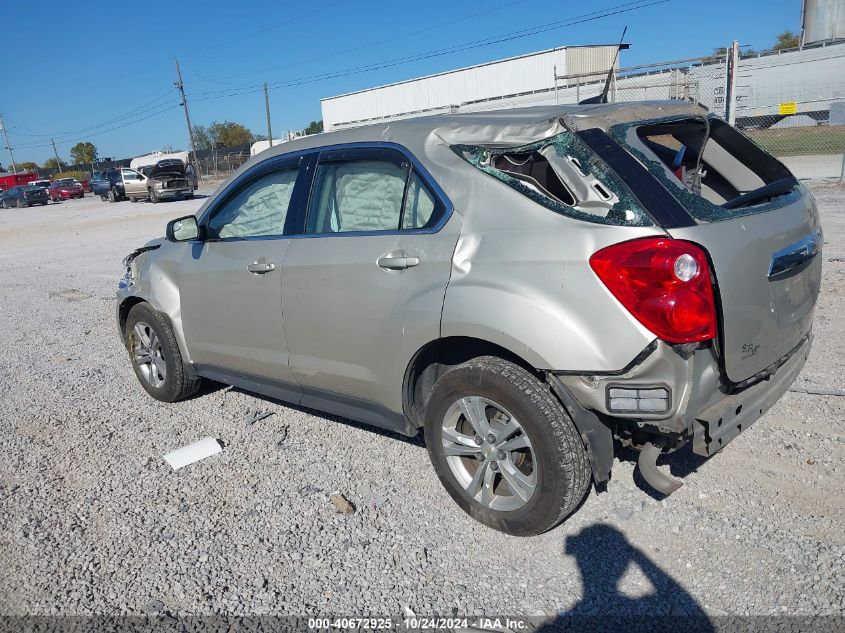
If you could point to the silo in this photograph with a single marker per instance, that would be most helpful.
(822, 20)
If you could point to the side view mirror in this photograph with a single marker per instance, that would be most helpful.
(183, 229)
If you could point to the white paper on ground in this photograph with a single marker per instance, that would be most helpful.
(206, 447)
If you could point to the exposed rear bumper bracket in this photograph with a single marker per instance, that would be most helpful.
(717, 425)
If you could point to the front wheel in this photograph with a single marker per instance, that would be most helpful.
(504, 448)
(112, 197)
(153, 196)
(155, 356)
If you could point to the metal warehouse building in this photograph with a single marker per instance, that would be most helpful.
(499, 84)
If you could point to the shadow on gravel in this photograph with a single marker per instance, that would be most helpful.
(603, 556)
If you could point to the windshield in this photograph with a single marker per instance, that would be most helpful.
(66, 182)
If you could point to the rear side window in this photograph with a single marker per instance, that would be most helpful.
(563, 174)
(258, 209)
(356, 195)
(420, 205)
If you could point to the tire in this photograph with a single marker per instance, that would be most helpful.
(133, 199)
(104, 198)
(189, 196)
(177, 382)
(114, 195)
(21, 204)
(556, 457)
(3, 204)
(153, 196)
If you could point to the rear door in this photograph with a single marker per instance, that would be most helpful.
(231, 283)
(364, 284)
(759, 226)
(134, 184)
(768, 271)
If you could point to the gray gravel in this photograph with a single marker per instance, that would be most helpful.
(92, 520)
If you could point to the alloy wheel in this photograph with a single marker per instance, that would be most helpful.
(148, 354)
(489, 453)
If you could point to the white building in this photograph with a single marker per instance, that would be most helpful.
(516, 81)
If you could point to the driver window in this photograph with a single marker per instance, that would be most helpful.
(258, 209)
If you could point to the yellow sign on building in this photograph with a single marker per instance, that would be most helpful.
(788, 107)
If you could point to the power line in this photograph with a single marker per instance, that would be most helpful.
(527, 32)
(355, 49)
(138, 110)
(112, 129)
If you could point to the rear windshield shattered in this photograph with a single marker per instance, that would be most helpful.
(712, 169)
(562, 174)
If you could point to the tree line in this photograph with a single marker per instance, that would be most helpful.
(215, 135)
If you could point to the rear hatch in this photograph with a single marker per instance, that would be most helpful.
(758, 224)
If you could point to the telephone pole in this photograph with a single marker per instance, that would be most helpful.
(58, 160)
(267, 108)
(181, 88)
(8, 147)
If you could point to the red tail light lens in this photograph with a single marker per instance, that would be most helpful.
(664, 283)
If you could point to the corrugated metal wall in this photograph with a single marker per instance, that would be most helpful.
(439, 93)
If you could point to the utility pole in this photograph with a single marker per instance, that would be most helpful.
(180, 86)
(58, 160)
(732, 67)
(8, 147)
(267, 108)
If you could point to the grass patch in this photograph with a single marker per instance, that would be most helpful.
(801, 141)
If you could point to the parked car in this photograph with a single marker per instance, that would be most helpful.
(41, 184)
(167, 179)
(110, 184)
(65, 189)
(526, 286)
(24, 196)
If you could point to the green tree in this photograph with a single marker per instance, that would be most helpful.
(785, 40)
(201, 137)
(27, 166)
(315, 127)
(228, 134)
(82, 153)
(52, 163)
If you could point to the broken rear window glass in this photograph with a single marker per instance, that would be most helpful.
(564, 175)
(714, 170)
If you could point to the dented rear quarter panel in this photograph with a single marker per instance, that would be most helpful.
(521, 279)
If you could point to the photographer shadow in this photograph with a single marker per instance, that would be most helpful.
(603, 556)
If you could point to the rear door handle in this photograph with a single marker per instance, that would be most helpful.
(397, 262)
(259, 267)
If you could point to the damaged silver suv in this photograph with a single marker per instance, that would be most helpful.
(530, 287)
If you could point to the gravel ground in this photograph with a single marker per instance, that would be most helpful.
(92, 520)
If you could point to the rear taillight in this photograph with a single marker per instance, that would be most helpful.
(664, 283)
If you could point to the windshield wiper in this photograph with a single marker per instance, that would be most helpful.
(776, 188)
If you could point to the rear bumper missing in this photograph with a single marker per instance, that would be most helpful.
(718, 424)
(701, 406)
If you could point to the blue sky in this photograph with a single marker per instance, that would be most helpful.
(81, 73)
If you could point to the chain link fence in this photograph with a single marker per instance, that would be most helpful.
(790, 102)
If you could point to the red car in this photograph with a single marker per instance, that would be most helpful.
(64, 189)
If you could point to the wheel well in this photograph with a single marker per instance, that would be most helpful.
(123, 313)
(435, 359)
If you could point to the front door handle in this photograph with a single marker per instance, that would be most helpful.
(260, 267)
(397, 261)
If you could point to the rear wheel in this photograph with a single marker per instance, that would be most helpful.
(155, 356)
(133, 199)
(504, 447)
(21, 204)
